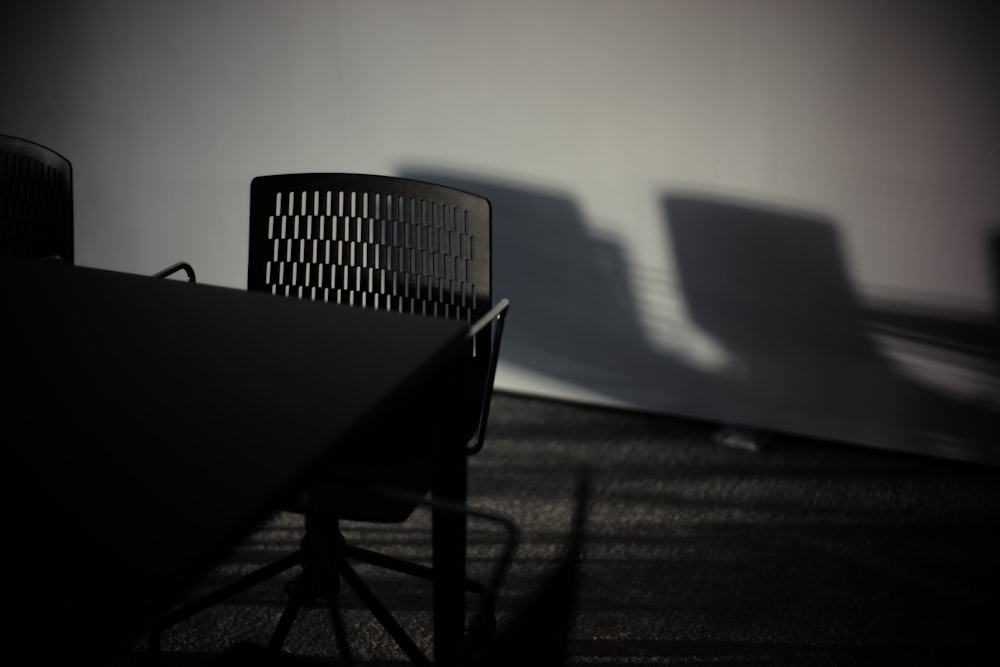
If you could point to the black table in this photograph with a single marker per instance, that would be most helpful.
(152, 424)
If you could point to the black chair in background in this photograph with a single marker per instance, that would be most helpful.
(388, 244)
(36, 205)
(36, 201)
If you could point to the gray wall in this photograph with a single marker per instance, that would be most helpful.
(772, 213)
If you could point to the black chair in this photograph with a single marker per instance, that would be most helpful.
(385, 243)
(36, 201)
(390, 244)
(36, 205)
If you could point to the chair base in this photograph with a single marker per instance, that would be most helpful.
(323, 557)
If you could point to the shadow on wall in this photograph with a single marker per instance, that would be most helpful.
(773, 286)
(769, 285)
(574, 320)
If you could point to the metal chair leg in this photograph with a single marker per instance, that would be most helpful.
(299, 597)
(340, 633)
(220, 595)
(388, 621)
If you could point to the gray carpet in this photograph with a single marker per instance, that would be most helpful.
(795, 552)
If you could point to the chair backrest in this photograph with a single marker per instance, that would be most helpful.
(377, 242)
(36, 201)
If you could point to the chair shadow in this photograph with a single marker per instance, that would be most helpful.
(770, 285)
(570, 291)
(773, 285)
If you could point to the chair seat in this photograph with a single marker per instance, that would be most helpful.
(352, 500)
(397, 454)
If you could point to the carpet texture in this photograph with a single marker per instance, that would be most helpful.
(701, 547)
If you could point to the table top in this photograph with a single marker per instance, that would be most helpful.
(154, 423)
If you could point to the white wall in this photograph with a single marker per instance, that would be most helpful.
(740, 187)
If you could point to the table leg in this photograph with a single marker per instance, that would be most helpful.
(449, 540)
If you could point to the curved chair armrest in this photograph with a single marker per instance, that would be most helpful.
(539, 628)
(480, 633)
(179, 266)
(496, 315)
(512, 533)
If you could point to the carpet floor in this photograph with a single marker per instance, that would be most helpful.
(699, 549)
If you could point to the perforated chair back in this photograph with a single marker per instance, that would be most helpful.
(377, 242)
(36, 201)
